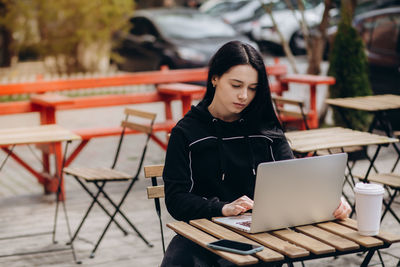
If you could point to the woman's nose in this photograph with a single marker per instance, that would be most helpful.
(243, 94)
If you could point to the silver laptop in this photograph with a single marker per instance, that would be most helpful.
(292, 193)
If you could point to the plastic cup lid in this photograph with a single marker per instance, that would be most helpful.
(370, 189)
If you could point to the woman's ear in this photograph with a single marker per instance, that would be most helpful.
(214, 80)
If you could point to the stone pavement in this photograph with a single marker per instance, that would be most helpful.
(24, 208)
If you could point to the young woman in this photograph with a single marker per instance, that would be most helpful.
(213, 152)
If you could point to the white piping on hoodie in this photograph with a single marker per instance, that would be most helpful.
(227, 138)
(191, 173)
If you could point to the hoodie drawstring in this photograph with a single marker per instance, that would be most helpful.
(250, 150)
(220, 148)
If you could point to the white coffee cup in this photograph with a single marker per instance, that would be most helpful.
(368, 207)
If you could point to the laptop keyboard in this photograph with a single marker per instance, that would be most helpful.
(245, 223)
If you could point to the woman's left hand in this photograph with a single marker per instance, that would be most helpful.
(343, 211)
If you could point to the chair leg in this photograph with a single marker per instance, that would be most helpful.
(95, 200)
(117, 210)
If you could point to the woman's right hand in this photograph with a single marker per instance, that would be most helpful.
(238, 206)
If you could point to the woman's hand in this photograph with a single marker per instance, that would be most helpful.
(343, 211)
(238, 206)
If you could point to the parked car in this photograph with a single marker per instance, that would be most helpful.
(178, 38)
(241, 14)
(265, 33)
(380, 30)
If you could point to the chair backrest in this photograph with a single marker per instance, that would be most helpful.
(156, 191)
(284, 113)
(145, 125)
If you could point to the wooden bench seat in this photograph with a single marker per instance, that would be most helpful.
(87, 134)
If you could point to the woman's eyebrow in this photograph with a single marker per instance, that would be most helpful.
(239, 81)
(235, 80)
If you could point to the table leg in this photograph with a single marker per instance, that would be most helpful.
(372, 162)
(59, 198)
(313, 115)
(186, 104)
(385, 122)
(8, 155)
(367, 258)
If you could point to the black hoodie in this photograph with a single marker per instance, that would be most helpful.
(210, 162)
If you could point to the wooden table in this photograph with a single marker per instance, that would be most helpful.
(49, 137)
(186, 92)
(311, 141)
(302, 243)
(312, 81)
(376, 104)
(336, 138)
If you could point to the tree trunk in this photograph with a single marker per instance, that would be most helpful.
(318, 42)
(6, 51)
(286, 48)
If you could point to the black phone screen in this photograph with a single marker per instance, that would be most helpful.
(234, 245)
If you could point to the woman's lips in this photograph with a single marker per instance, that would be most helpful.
(239, 105)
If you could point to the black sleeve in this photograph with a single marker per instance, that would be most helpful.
(281, 149)
(181, 203)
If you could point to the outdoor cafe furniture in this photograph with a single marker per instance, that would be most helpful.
(379, 105)
(50, 138)
(313, 81)
(312, 141)
(100, 176)
(314, 241)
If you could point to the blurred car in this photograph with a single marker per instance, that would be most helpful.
(177, 37)
(265, 33)
(380, 30)
(239, 13)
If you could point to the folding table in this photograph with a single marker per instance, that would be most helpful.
(52, 136)
(310, 141)
(379, 105)
(322, 240)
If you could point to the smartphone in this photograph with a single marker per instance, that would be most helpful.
(235, 246)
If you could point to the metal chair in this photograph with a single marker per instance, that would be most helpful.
(101, 176)
(156, 192)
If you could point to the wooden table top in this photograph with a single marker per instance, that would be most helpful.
(367, 103)
(300, 242)
(36, 134)
(180, 88)
(308, 79)
(334, 137)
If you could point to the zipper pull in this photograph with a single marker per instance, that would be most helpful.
(254, 171)
(223, 176)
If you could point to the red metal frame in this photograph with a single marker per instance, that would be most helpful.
(47, 105)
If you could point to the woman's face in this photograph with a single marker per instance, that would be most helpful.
(234, 91)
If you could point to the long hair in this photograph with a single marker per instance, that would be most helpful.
(260, 110)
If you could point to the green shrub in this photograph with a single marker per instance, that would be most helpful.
(348, 64)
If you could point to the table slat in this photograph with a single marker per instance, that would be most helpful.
(267, 255)
(330, 138)
(329, 238)
(385, 236)
(309, 243)
(37, 134)
(201, 238)
(346, 232)
(280, 245)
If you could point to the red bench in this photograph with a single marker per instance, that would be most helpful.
(46, 100)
